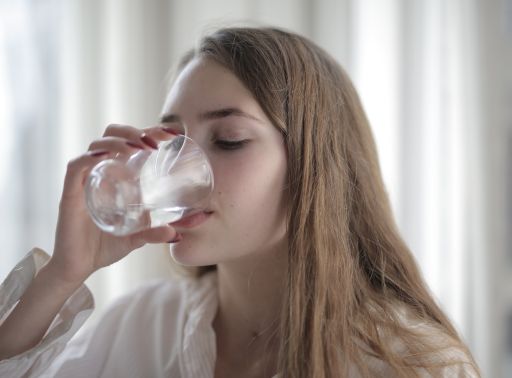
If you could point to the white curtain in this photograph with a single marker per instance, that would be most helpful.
(69, 68)
(415, 65)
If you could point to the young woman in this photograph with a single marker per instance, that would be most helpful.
(296, 270)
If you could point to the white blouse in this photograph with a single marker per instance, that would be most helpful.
(161, 329)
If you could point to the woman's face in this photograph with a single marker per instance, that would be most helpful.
(248, 157)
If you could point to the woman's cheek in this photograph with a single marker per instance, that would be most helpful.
(234, 170)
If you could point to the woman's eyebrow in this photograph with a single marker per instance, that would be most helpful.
(211, 115)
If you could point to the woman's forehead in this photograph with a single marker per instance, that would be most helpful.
(205, 85)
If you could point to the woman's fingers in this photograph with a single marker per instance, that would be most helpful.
(118, 144)
(148, 137)
(132, 134)
(117, 139)
(162, 234)
(124, 131)
(78, 168)
(163, 132)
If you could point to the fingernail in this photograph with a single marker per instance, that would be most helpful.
(149, 141)
(135, 145)
(176, 239)
(98, 153)
(170, 130)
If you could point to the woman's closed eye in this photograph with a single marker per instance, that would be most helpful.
(230, 144)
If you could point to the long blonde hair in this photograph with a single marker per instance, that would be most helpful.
(350, 275)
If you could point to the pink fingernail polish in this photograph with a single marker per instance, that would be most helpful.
(98, 153)
(176, 239)
(135, 145)
(170, 130)
(149, 141)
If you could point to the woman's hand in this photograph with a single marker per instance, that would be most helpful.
(81, 247)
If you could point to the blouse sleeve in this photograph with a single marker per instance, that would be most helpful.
(72, 315)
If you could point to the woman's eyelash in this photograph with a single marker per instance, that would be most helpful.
(230, 144)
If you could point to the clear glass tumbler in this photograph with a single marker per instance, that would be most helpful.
(128, 194)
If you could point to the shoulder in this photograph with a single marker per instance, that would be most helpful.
(167, 297)
(155, 312)
(446, 356)
(147, 324)
(156, 292)
(424, 346)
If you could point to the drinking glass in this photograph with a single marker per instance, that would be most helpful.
(147, 189)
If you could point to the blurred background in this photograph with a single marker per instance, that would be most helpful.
(434, 76)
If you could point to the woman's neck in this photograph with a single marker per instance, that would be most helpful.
(248, 316)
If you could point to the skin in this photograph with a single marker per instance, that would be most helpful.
(80, 247)
(245, 233)
(245, 236)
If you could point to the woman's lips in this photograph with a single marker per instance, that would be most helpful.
(192, 220)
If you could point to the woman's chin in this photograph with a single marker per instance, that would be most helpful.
(187, 256)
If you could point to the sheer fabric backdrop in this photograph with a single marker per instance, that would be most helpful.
(69, 68)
